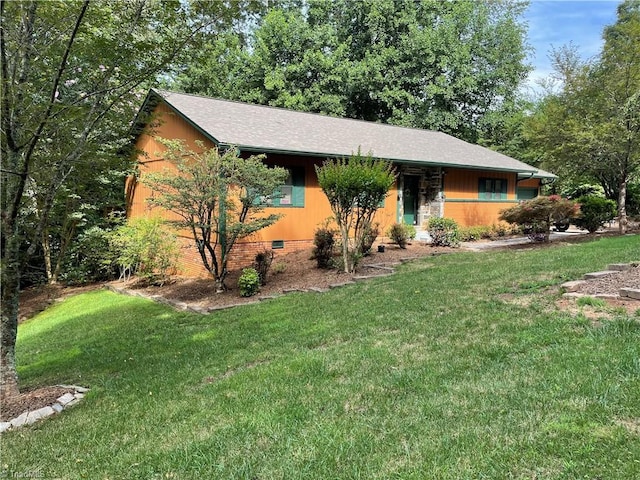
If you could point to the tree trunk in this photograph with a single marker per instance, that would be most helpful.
(46, 252)
(622, 207)
(344, 230)
(9, 308)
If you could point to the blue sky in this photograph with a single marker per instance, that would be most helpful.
(559, 22)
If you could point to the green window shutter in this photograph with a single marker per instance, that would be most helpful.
(482, 188)
(297, 177)
(291, 194)
(503, 188)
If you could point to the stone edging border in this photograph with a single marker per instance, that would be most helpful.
(62, 403)
(625, 293)
(184, 306)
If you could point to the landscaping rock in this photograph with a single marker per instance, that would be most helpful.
(633, 293)
(36, 415)
(20, 420)
(318, 290)
(4, 426)
(619, 267)
(573, 295)
(65, 399)
(338, 285)
(573, 285)
(603, 273)
(57, 407)
(267, 297)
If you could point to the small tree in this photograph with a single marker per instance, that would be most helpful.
(595, 212)
(537, 215)
(218, 197)
(146, 248)
(355, 188)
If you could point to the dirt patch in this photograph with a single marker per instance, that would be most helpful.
(35, 299)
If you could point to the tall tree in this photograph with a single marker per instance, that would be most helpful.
(71, 74)
(450, 66)
(590, 129)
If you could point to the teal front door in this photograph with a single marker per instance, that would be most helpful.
(410, 200)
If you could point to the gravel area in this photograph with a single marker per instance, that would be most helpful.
(611, 284)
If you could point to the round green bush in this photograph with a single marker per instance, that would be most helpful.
(594, 212)
(249, 282)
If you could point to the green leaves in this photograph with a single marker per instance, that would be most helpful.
(355, 188)
(214, 194)
(446, 66)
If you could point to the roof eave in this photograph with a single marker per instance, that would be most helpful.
(402, 161)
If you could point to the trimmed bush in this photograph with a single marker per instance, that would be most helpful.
(443, 232)
(324, 241)
(262, 264)
(594, 212)
(249, 282)
(369, 236)
(401, 233)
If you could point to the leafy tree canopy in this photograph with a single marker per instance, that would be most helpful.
(448, 66)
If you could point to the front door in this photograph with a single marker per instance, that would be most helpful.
(410, 200)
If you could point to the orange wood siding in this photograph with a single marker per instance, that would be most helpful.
(462, 202)
(296, 227)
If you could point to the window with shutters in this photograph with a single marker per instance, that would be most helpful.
(492, 189)
(291, 193)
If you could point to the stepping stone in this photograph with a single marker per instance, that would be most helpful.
(603, 273)
(573, 285)
(630, 293)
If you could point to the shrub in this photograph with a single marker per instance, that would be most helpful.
(400, 233)
(249, 282)
(536, 216)
(443, 232)
(594, 212)
(324, 241)
(370, 233)
(145, 247)
(90, 258)
(279, 267)
(262, 264)
(475, 233)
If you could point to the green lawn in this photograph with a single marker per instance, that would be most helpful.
(458, 367)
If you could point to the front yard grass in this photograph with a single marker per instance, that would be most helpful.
(431, 373)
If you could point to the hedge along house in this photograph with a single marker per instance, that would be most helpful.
(438, 175)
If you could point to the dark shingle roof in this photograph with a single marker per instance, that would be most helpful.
(276, 130)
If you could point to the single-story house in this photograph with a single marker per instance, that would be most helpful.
(438, 175)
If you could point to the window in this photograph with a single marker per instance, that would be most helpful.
(492, 189)
(291, 193)
(526, 193)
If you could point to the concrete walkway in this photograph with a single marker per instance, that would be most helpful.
(507, 242)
